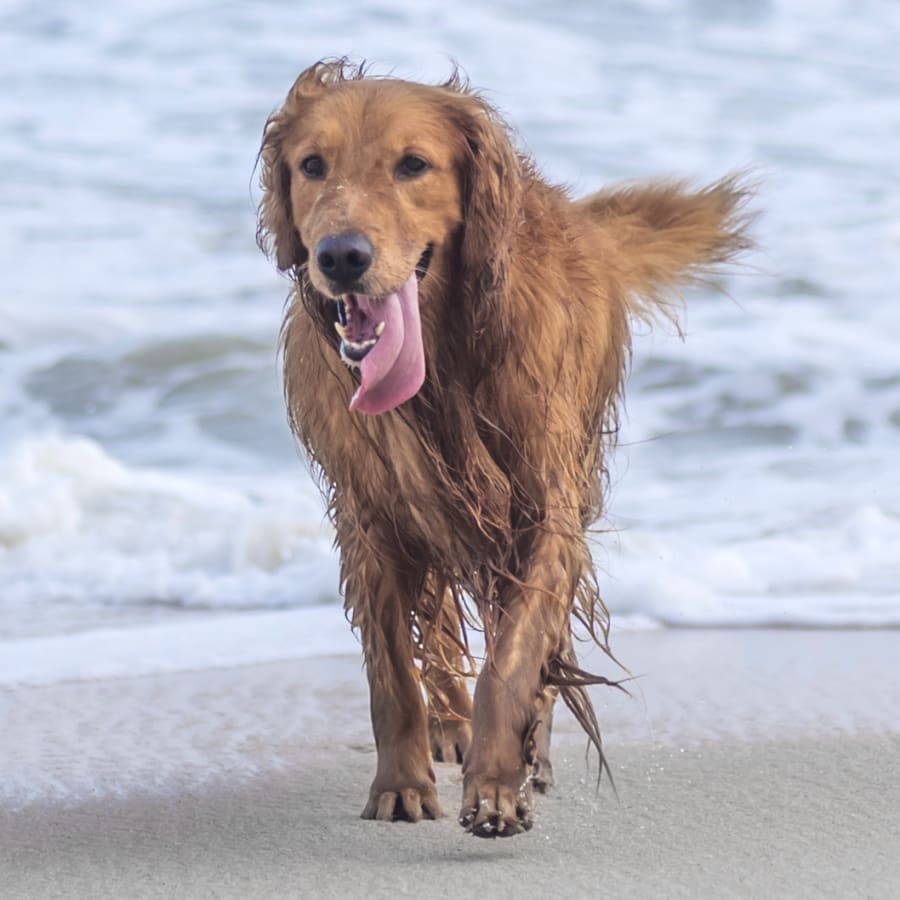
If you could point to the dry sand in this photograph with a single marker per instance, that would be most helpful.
(749, 764)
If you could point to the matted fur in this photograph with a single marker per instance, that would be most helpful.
(470, 501)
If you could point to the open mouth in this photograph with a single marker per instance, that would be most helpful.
(357, 328)
(381, 339)
(359, 325)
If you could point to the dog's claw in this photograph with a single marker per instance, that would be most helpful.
(492, 826)
(406, 804)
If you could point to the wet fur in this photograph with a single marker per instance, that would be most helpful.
(472, 499)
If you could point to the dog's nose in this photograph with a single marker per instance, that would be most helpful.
(344, 257)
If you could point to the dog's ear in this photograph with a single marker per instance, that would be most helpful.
(276, 233)
(491, 177)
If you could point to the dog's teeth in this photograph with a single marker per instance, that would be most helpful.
(379, 329)
(340, 330)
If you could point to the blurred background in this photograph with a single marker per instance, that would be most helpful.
(147, 477)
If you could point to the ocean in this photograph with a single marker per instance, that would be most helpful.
(155, 514)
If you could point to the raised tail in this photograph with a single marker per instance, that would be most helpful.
(663, 235)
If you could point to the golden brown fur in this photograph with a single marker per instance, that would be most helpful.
(474, 495)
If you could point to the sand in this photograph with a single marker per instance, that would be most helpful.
(748, 763)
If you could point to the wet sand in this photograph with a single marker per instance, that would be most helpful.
(747, 763)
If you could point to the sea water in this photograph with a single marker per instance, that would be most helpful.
(154, 511)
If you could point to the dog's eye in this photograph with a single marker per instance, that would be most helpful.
(411, 166)
(313, 167)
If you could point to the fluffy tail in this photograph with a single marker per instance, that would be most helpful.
(661, 236)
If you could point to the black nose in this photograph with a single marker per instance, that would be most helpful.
(344, 257)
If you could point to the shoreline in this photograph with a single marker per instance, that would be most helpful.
(746, 764)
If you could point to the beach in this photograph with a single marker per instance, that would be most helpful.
(746, 763)
(183, 710)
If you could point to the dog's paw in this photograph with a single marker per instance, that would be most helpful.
(497, 808)
(409, 804)
(449, 739)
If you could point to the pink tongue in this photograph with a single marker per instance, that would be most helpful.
(394, 369)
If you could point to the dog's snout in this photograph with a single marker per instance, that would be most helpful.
(344, 257)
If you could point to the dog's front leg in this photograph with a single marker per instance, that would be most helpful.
(513, 704)
(380, 602)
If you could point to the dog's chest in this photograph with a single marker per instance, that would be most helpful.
(416, 489)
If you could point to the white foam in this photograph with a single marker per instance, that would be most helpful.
(79, 529)
(221, 641)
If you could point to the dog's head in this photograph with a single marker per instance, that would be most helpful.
(374, 188)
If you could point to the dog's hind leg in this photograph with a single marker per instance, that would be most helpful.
(542, 778)
(449, 715)
(445, 665)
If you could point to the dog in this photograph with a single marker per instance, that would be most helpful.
(454, 350)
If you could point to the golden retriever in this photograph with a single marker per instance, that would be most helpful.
(454, 352)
